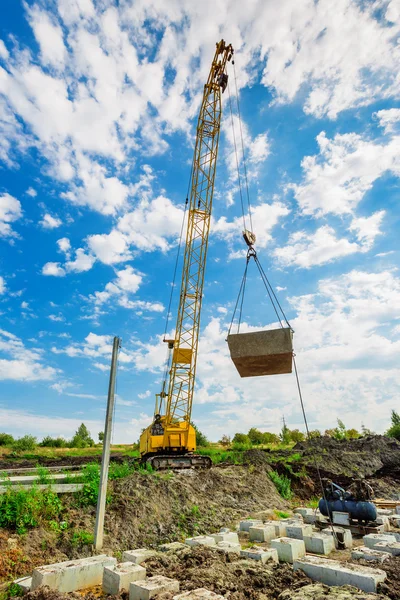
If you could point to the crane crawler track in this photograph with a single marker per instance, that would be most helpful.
(184, 461)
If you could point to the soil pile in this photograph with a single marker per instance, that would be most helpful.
(318, 591)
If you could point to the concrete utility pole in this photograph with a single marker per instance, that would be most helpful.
(105, 461)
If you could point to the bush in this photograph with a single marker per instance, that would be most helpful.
(394, 430)
(91, 479)
(23, 509)
(6, 439)
(49, 442)
(270, 438)
(255, 436)
(297, 436)
(82, 438)
(241, 439)
(25, 443)
(282, 484)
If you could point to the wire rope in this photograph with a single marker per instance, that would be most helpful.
(236, 155)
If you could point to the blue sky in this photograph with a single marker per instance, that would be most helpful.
(98, 106)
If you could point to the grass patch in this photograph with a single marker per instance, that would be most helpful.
(24, 509)
(313, 502)
(82, 538)
(281, 514)
(282, 484)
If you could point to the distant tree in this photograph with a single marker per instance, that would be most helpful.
(352, 434)
(201, 440)
(297, 436)
(270, 438)
(394, 430)
(6, 439)
(101, 436)
(241, 438)
(49, 442)
(365, 431)
(255, 436)
(315, 433)
(82, 438)
(25, 443)
(285, 434)
(225, 441)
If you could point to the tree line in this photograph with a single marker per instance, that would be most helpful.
(81, 439)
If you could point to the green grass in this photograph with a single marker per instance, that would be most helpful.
(282, 484)
(24, 509)
(82, 538)
(281, 514)
(313, 502)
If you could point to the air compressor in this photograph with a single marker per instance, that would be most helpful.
(356, 501)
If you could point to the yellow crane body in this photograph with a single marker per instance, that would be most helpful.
(171, 432)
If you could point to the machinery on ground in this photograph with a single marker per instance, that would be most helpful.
(356, 501)
(170, 441)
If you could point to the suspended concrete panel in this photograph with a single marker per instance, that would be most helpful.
(262, 352)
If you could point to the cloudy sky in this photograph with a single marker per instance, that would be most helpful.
(98, 106)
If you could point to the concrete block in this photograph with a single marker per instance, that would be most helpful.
(332, 572)
(199, 594)
(279, 526)
(395, 521)
(118, 577)
(310, 519)
(172, 547)
(342, 538)
(223, 530)
(245, 525)
(303, 511)
(397, 510)
(297, 532)
(144, 590)
(200, 540)
(138, 555)
(25, 583)
(226, 537)
(72, 575)
(229, 547)
(262, 352)
(384, 512)
(368, 554)
(262, 554)
(372, 539)
(319, 544)
(264, 533)
(392, 548)
(340, 518)
(289, 549)
(384, 522)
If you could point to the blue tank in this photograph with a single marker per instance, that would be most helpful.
(360, 510)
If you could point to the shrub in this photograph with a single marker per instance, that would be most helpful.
(394, 430)
(270, 438)
(82, 438)
(255, 436)
(241, 438)
(49, 442)
(24, 509)
(91, 479)
(6, 439)
(25, 443)
(282, 484)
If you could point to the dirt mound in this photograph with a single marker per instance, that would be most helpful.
(255, 457)
(318, 591)
(226, 574)
(13, 462)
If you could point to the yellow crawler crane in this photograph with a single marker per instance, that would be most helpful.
(170, 441)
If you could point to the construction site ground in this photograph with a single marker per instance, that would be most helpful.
(146, 510)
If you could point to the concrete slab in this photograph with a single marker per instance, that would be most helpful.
(264, 533)
(372, 539)
(395, 521)
(262, 554)
(317, 543)
(297, 532)
(25, 583)
(289, 549)
(172, 547)
(268, 352)
(229, 547)
(364, 553)
(226, 537)
(332, 572)
(392, 548)
(342, 538)
(245, 525)
(138, 555)
(72, 575)
(199, 594)
(117, 578)
(340, 518)
(144, 590)
(200, 540)
(310, 519)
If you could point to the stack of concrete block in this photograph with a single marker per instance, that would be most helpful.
(72, 575)
(172, 547)
(288, 549)
(309, 515)
(279, 526)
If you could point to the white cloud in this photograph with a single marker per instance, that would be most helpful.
(58, 317)
(3, 286)
(83, 262)
(10, 211)
(109, 248)
(54, 269)
(31, 192)
(389, 119)
(23, 364)
(49, 37)
(3, 50)
(64, 245)
(49, 222)
(24, 305)
(367, 228)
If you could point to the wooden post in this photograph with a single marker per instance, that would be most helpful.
(105, 461)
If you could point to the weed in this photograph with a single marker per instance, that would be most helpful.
(281, 514)
(91, 479)
(23, 509)
(282, 484)
(195, 511)
(43, 475)
(82, 538)
(118, 471)
(313, 502)
(14, 590)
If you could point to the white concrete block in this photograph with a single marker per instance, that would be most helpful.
(368, 554)
(72, 575)
(262, 554)
(229, 547)
(200, 540)
(199, 594)
(317, 543)
(342, 538)
(264, 533)
(226, 537)
(310, 519)
(172, 547)
(289, 549)
(144, 590)
(279, 526)
(397, 510)
(297, 532)
(340, 518)
(303, 511)
(372, 539)
(118, 577)
(138, 555)
(392, 548)
(332, 572)
(245, 525)
(384, 522)
(384, 512)
(395, 521)
(24, 583)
